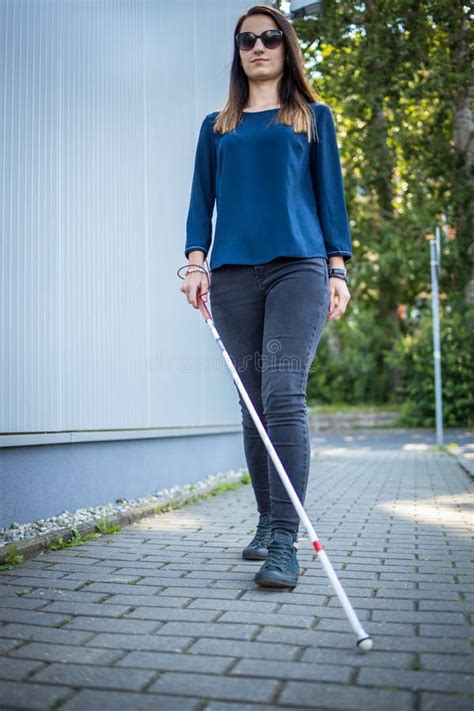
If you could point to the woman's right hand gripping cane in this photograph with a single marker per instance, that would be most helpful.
(195, 283)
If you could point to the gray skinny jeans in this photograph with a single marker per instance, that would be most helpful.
(270, 318)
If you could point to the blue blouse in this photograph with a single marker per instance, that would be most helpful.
(276, 194)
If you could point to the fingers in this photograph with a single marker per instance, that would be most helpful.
(195, 284)
(338, 297)
(203, 289)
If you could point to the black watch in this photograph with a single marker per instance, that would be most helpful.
(339, 273)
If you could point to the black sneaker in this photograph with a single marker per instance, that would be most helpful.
(281, 568)
(257, 549)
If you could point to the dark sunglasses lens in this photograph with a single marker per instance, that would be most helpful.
(246, 40)
(271, 39)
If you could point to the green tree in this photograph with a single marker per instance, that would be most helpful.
(396, 75)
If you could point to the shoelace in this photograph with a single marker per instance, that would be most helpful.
(263, 534)
(279, 554)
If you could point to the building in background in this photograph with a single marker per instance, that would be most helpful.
(111, 383)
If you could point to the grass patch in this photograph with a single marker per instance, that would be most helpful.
(173, 505)
(221, 488)
(83, 585)
(103, 528)
(12, 558)
(415, 664)
(218, 489)
(61, 623)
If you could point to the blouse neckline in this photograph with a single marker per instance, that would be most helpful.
(264, 111)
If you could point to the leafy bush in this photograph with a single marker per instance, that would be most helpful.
(413, 354)
(357, 373)
(369, 367)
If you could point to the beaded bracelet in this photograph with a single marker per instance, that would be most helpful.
(191, 268)
(195, 268)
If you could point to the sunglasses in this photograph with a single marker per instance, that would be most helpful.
(271, 39)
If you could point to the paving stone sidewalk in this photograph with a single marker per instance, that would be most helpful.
(166, 615)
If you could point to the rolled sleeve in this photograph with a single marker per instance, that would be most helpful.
(202, 199)
(329, 187)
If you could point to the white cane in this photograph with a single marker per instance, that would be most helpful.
(364, 642)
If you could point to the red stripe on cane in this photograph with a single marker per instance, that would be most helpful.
(318, 546)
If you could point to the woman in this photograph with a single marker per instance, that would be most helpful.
(281, 221)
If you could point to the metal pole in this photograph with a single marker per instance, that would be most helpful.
(435, 257)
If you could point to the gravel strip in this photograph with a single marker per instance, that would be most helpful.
(122, 510)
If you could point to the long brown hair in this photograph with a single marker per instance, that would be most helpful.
(294, 88)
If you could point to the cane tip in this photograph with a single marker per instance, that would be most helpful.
(365, 644)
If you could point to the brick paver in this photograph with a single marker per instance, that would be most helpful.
(165, 614)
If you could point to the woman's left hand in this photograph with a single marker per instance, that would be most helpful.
(338, 297)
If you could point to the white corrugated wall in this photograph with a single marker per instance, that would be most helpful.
(101, 103)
